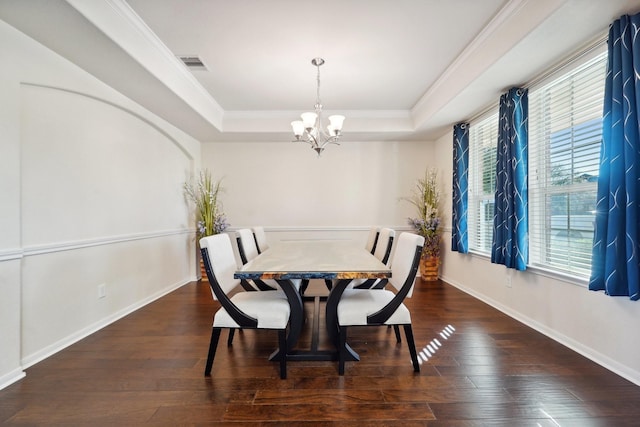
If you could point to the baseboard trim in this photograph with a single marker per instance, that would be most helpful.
(11, 377)
(588, 352)
(50, 350)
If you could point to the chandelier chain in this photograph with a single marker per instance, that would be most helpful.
(318, 101)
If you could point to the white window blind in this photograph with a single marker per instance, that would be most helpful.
(565, 128)
(483, 137)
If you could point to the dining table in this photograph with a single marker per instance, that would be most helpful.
(334, 261)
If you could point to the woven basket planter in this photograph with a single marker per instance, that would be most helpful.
(203, 272)
(429, 266)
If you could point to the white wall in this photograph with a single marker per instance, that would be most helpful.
(600, 327)
(91, 189)
(287, 189)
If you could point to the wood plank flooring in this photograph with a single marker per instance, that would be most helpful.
(479, 367)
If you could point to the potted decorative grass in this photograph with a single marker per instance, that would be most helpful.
(426, 199)
(210, 218)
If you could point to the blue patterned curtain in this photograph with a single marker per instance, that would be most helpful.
(615, 265)
(459, 236)
(510, 220)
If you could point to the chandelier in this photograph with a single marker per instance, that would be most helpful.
(310, 130)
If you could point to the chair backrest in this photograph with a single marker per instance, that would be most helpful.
(260, 238)
(372, 240)
(405, 262)
(404, 268)
(246, 245)
(220, 263)
(384, 244)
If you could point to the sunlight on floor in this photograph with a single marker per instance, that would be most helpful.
(430, 349)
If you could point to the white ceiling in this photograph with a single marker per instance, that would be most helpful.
(399, 70)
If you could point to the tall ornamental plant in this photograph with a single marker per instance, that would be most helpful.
(426, 199)
(205, 194)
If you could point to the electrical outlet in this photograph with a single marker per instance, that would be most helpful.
(508, 281)
(102, 290)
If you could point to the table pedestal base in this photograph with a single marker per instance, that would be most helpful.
(314, 353)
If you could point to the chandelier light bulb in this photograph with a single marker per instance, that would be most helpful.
(298, 128)
(309, 120)
(336, 122)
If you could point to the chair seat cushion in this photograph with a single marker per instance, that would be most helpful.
(270, 308)
(356, 304)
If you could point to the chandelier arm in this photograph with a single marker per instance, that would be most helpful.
(312, 140)
(331, 140)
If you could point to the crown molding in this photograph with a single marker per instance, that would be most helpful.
(517, 18)
(118, 21)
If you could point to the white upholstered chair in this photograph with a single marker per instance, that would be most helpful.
(248, 250)
(251, 310)
(247, 247)
(384, 244)
(378, 307)
(261, 239)
(372, 239)
(382, 251)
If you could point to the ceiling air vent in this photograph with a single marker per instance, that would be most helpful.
(193, 62)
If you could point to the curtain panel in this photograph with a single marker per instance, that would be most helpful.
(510, 220)
(459, 232)
(615, 264)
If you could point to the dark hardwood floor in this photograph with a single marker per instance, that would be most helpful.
(479, 367)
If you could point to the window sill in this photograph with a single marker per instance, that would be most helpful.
(542, 271)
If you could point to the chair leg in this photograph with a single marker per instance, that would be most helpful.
(232, 332)
(396, 329)
(282, 342)
(213, 344)
(342, 351)
(408, 332)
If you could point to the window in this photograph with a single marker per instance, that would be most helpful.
(565, 131)
(565, 128)
(483, 137)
